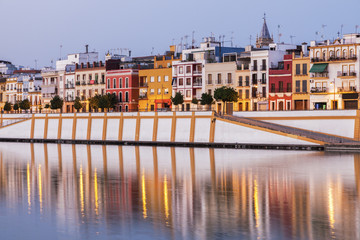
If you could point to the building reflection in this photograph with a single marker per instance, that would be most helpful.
(191, 193)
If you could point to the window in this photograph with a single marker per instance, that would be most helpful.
(152, 79)
(126, 82)
(181, 82)
(209, 78)
(126, 108)
(219, 78)
(166, 91)
(159, 91)
(272, 89)
(264, 92)
(351, 53)
(324, 55)
(209, 91)
(188, 93)
(108, 83)
(255, 65)
(281, 86)
(344, 55)
(247, 81)
(188, 69)
(126, 96)
(188, 81)
(159, 78)
(240, 94)
(229, 80)
(297, 69)
(180, 70)
(166, 79)
(288, 87)
(240, 81)
(304, 69)
(263, 78)
(120, 97)
(96, 77)
(338, 53)
(304, 86)
(90, 77)
(247, 93)
(78, 77)
(84, 77)
(114, 83)
(120, 83)
(297, 86)
(152, 91)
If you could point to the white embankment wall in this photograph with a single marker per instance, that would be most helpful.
(196, 127)
(343, 123)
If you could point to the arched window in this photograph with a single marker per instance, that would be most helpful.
(126, 108)
(324, 55)
(331, 54)
(317, 55)
(120, 97)
(344, 55)
(126, 82)
(114, 83)
(351, 53)
(126, 96)
(120, 82)
(108, 83)
(120, 108)
(338, 53)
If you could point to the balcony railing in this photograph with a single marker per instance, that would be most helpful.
(218, 81)
(143, 84)
(229, 81)
(69, 99)
(83, 83)
(279, 90)
(254, 68)
(346, 74)
(69, 85)
(347, 89)
(262, 81)
(329, 59)
(320, 75)
(242, 67)
(197, 83)
(318, 90)
(209, 82)
(197, 72)
(77, 83)
(263, 67)
(254, 81)
(143, 96)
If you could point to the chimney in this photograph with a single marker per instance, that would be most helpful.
(304, 49)
(129, 53)
(87, 48)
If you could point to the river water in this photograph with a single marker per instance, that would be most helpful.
(96, 192)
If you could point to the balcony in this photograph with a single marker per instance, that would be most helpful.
(254, 68)
(263, 67)
(218, 81)
(334, 59)
(228, 81)
(318, 90)
(262, 81)
(197, 72)
(69, 99)
(77, 83)
(143, 84)
(143, 96)
(320, 75)
(301, 74)
(279, 90)
(69, 86)
(347, 89)
(197, 83)
(83, 83)
(346, 74)
(242, 67)
(254, 81)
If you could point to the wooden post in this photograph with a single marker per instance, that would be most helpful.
(192, 128)
(212, 128)
(59, 127)
(88, 135)
(121, 126)
(74, 127)
(46, 126)
(155, 127)
(32, 130)
(137, 132)
(173, 127)
(104, 127)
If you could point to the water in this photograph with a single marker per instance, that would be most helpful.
(95, 192)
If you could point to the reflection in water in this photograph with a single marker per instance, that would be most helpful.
(87, 192)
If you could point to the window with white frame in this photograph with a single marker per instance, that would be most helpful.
(166, 78)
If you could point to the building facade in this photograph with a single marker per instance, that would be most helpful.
(301, 81)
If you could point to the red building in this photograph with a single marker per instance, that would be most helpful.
(124, 83)
(280, 85)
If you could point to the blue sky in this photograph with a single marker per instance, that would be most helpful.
(34, 29)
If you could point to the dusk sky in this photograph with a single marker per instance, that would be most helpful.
(35, 29)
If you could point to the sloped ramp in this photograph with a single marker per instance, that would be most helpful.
(306, 135)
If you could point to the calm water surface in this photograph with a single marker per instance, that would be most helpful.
(96, 192)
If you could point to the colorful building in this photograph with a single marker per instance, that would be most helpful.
(280, 82)
(242, 76)
(124, 83)
(90, 81)
(334, 78)
(301, 80)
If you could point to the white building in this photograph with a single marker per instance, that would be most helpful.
(77, 58)
(6, 68)
(334, 73)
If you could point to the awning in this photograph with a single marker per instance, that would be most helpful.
(318, 68)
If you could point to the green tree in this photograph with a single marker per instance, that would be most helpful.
(195, 100)
(206, 99)
(56, 103)
(104, 102)
(7, 107)
(225, 94)
(25, 104)
(112, 99)
(178, 99)
(77, 104)
(47, 105)
(16, 107)
(94, 101)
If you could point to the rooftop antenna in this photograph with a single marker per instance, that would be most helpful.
(193, 39)
(186, 41)
(250, 38)
(35, 64)
(60, 51)
(52, 61)
(291, 37)
(356, 28)
(279, 34)
(323, 31)
(152, 50)
(223, 40)
(341, 31)
(232, 38)
(317, 34)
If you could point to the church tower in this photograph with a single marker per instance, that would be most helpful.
(264, 39)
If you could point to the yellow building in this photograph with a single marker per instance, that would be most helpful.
(300, 82)
(243, 88)
(155, 84)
